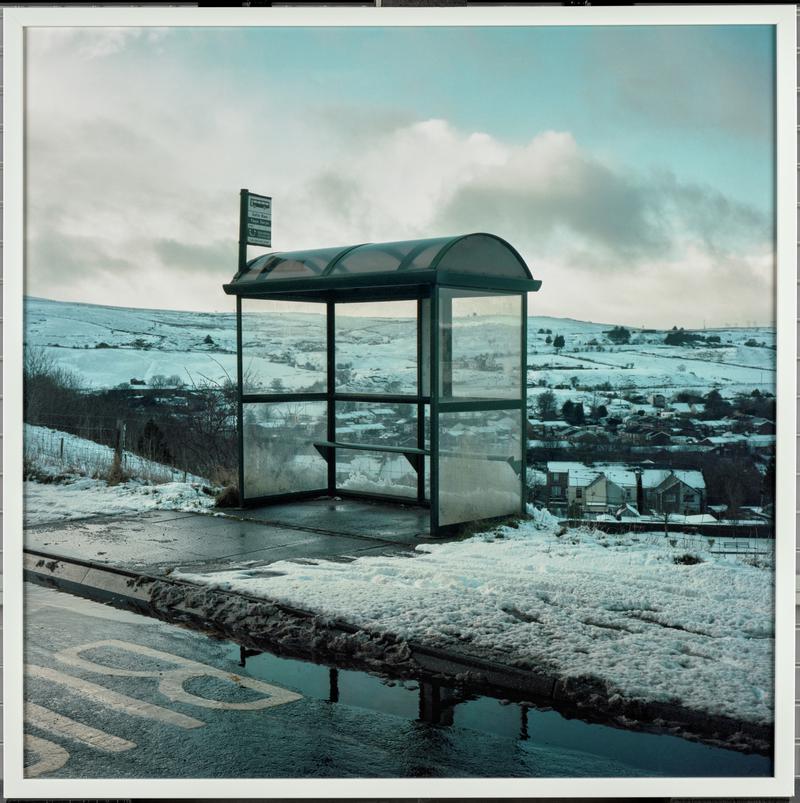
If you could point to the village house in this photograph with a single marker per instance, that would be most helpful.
(607, 489)
(589, 489)
(673, 491)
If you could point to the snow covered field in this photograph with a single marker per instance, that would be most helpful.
(108, 346)
(76, 469)
(617, 608)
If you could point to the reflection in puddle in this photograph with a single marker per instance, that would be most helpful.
(435, 707)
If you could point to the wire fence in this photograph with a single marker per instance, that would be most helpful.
(52, 453)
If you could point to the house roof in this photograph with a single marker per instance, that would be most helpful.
(653, 477)
(582, 476)
(473, 260)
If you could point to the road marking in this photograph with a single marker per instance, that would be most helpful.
(171, 686)
(57, 724)
(72, 656)
(171, 681)
(52, 756)
(113, 699)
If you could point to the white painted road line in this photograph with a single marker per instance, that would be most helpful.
(171, 681)
(52, 756)
(113, 699)
(59, 725)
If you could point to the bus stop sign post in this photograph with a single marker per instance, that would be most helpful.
(255, 223)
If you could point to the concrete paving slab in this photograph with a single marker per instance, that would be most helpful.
(106, 541)
(162, 515)
(398, 523)
(323, 547)
(154, 545)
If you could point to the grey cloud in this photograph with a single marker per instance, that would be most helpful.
(604, 218)
(215, 258)
(349, 123)
(657, 71)
(60, 257)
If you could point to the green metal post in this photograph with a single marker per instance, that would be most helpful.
(243, 195)
(420, 405)
(331, 388)
(524, 399)
(434, 380)
(239, 394)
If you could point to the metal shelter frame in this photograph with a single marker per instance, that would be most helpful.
(429, 272)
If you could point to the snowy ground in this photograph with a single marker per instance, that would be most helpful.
(614, 607)
(71, 481)
(80, 497)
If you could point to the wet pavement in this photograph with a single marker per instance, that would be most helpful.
(396, 523)
(127, 561)
(114, 695)
(158, 541)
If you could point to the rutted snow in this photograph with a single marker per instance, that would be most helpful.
(77, 492)
(585, 603)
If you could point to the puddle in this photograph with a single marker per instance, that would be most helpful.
(528, 728)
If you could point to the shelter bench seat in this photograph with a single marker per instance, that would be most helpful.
(412, 454)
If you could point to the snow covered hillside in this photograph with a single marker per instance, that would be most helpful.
(108, 346)
(70, 481)
(623, 609)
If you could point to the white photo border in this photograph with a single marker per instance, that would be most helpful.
(16, 20)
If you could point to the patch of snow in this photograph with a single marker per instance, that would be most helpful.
(585, 603)
(82, 496)
(74, 464)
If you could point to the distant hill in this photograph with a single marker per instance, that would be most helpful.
(108, 346)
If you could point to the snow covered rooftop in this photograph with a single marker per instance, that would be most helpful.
(653, 477)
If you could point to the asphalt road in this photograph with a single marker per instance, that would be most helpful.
(110, 694)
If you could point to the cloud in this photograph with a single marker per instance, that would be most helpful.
(561, 200)
(212, 258)
(89, 44)
(132, 197)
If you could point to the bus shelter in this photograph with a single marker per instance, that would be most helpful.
(426, 406)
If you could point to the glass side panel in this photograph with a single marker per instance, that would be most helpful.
(279, 454)
(480, 337)
(427, 435)
(428, 478)
(385, 473)
(387, 257)
(376, 423)
(484, 255)
(480, 457)
(425, 334)
(376, 354)
(283, 350)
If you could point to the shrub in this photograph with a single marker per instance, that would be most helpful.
(619, 335)
(228, 497)
(687, 560)
(115, 474)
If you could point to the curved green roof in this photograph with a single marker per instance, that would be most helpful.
(397, 263)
